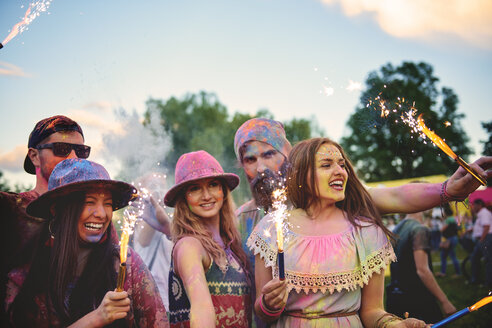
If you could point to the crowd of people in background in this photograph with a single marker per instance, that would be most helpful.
(208, 264)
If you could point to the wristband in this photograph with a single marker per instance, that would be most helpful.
(267, 311)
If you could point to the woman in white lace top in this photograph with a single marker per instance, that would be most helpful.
(336, 248)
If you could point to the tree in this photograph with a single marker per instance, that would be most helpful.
(200, 121)
(3, 183)
(381, 146)
(487, 145)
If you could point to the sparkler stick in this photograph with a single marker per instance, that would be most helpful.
(129, 220)
(445, 148)
(123, 254)
(279, 214)
(474, 307)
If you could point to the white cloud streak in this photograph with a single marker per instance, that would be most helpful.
(8, 69)
(14, 160)
(470, 20)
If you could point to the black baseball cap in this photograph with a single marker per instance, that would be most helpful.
(44, 129)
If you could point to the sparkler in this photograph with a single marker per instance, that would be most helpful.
(33, 11)
(130, 217)
(445, 148)
(279, 215)
(474, 307)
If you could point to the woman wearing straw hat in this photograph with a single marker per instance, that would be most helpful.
(70, 278)
(209, 280)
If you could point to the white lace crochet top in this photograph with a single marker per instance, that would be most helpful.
(325, 273)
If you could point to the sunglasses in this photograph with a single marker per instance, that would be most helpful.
(63, 149)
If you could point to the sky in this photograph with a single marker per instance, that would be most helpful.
(91, 60)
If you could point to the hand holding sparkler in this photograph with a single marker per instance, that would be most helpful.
(445, 148)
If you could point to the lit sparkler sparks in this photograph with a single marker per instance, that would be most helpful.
(130, 217)
(279, 214)
(445, 148)
(33, 11)
(474, 307)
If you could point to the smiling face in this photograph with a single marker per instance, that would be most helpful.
(205, 197)
(330, 173)
(96, 215)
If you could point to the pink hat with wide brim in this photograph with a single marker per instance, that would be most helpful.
(195, 166)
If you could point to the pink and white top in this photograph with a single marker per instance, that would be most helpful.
(325, 273)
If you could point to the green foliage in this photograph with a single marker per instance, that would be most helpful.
(3, 183)
(200, 121)
(383, 148)
(487, 145)
(5, 186)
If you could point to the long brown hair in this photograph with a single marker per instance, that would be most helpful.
(186, 223)
(53, 269)
(303, 190)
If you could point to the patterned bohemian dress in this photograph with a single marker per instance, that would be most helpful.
(325, 273)
(230, 292)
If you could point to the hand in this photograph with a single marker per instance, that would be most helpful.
(115, 305)
(275, 294)
(448, 308)
(155, 215)
(461, 184)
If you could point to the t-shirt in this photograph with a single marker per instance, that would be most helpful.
(484, 217)
(157, 257)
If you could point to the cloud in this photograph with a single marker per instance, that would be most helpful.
(14, 160)
(12, 70)
(99, 105)
(470, 20)
(99, 121)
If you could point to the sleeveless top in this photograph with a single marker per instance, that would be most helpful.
(230, 294)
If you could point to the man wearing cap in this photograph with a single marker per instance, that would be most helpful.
(52, 140)
(262, 149)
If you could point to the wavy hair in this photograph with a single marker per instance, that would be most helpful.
(186, 223)
(303, 190)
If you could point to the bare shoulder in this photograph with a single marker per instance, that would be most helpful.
(189, 246)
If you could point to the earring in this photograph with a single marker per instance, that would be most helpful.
(49, 229)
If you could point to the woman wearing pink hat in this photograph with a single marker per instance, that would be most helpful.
(70, 277)
(209, 279)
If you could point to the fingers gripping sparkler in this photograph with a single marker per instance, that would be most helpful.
(445, 148)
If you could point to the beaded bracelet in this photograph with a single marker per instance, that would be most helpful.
(383, 323)
(446, 198)
(267, 311)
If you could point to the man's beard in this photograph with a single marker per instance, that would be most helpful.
(263, 185)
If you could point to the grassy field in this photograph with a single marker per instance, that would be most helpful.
(463, 295)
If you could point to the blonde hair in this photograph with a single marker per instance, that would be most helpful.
(186, 223)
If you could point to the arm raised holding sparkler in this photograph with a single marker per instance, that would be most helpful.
(416, 197)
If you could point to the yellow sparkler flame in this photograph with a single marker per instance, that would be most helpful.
(479, 304)
(125, 236)
(279, 214)
(435, 138)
